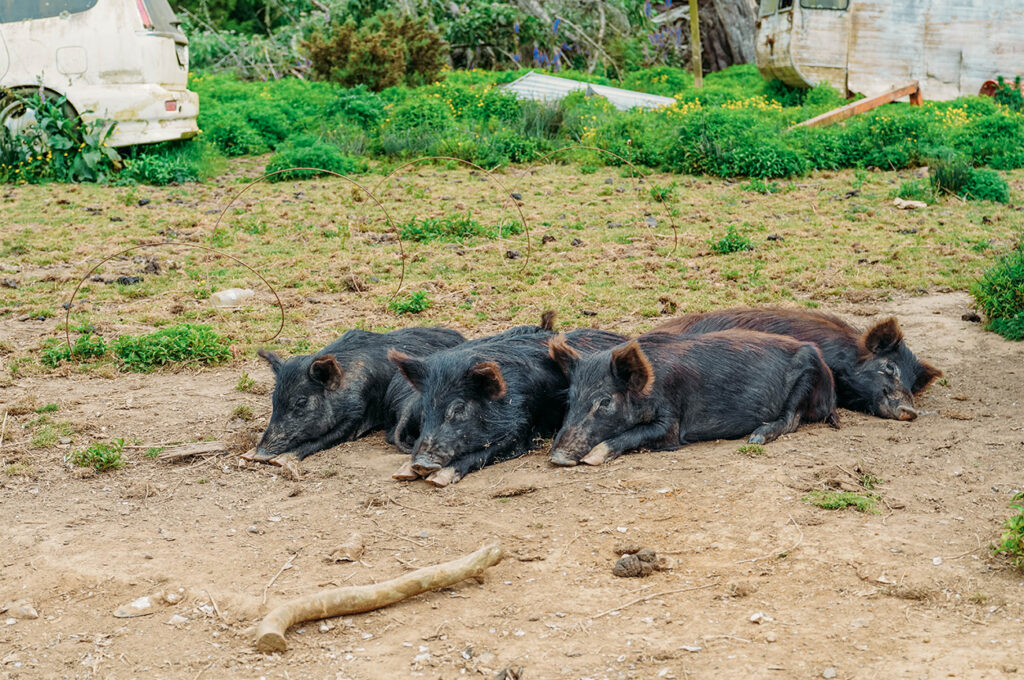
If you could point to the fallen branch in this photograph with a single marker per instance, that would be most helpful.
(190, 450)
(356, 599)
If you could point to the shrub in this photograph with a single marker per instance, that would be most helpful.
(306, 151)
(1009, 95)
(732, 242)
(387, 50)
(100, 456)
(987, 185)
(414, 304)
(190, 344)
(229, 130)
(762, 187)
(1000, 294)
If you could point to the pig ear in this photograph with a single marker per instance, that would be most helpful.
(563, 355)
(326, 371)
(630, 364)
(883, 337)
(925, 377)
(272, 359)
(547, 320)
(413, 370)
(487, 376)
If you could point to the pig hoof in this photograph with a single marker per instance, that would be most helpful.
(405, 473)
(561, 458)
(756, 439)
(442, 478)
(597, 455)
(262, 456)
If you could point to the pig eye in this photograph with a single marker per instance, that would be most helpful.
(457, 409)
(604, 403)
(892, 370)
(301, 402)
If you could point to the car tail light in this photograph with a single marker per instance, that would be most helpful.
(171, 105)
(144, 14)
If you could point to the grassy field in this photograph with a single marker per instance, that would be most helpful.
(600, 248)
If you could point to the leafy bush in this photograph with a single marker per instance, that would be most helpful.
(951, 176)
(732, 242)
(306, 151)
(762, 187)
(1000, 294)
(100, 456)
(455, 227)
(1009, 95)
(987, 185)
(1011, 543)
(190, 344)
(414, 304)
(385, 51)
(57, 146)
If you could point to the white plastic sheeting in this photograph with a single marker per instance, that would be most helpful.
(541, 87)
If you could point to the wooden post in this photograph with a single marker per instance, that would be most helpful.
(698, 74)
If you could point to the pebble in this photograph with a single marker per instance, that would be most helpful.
(11, 621)
(274, 518)
(936, 561)
(771, 636)
(621, 530)
(176, 620)
(829, 672)
(760, 617)
(253, 529)
(690, 648)
(325, 627)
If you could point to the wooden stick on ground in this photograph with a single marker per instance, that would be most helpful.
(189, 450)
(356, 599)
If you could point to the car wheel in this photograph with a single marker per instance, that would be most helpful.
(19, 116)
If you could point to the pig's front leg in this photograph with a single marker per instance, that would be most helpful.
(659, 434)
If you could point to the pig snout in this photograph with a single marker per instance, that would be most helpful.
(561, 458)
(904, 412)
(268, 448)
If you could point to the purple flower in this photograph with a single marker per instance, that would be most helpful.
(515, 28)
(647, 9)
(557, 21)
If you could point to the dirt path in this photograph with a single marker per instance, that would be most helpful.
(909, 592)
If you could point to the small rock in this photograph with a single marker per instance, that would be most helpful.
(516, 195)
(614, 225)
(547, 238)
(172, 597)
(176, 620)
(349, 551)
(128, 280)
(588, 312)
(609, 180)
(140, 607)
(144, 201)
(690, 648)
(829, 672)
(771, 636)
(760, 617)
(622, 530)
(64, 440)
(908, 205)
(936, 561)
(576, 243)
(11, 621)
(9, 283)
(972, 317)
(325, 627)
(274, 518)
(512, 254)
(253, 529)
(20, 609)
(776, 237)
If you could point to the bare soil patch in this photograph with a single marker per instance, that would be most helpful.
(761, 584)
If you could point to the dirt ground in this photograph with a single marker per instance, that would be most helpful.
(763, 584)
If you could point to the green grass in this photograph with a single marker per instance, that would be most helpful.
(732, 242)
(413, 304)
(242, 412)
(154, 451)
(751, 450)
(46, 433)
(48, 408)
(455, 227)
(100, 456)
(837, 500)
(245, 383)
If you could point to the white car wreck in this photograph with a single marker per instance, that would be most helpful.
(121, 60)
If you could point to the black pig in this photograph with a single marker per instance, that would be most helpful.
(486, 400)
(875, 371)
(662, 391)
(338, 393)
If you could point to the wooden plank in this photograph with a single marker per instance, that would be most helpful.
(182, 451)
(850, 110)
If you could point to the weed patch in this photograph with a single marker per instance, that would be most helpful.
(189, 344)
(732, 242)
(1011, 544)
(100, 456)
(1000, 295)
(751, 450)
(837, 500)
(414, 304)
(455, 227)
